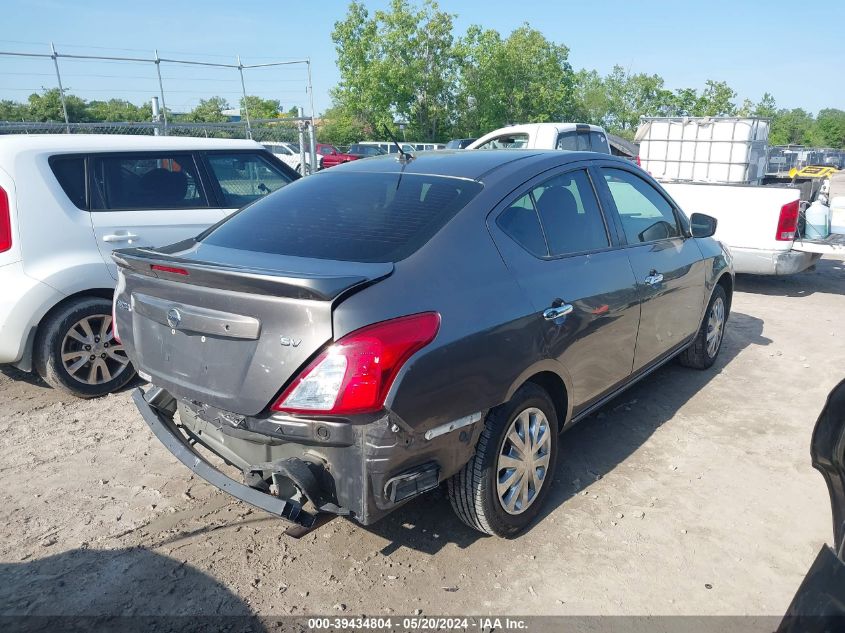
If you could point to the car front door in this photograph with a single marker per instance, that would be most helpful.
(554, 238)
(147, 199)
(667, 263)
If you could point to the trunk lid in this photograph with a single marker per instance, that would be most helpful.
(228, 334)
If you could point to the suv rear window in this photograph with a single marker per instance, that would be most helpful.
(361, 217)
(70, 172)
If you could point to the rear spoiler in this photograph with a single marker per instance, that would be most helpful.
(325, 283)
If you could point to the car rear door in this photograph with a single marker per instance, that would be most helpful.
(667, 263)
(147, 199)
(553, 236)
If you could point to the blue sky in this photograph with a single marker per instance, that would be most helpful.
(755, 46)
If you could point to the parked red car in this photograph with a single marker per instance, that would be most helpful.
(333, 156)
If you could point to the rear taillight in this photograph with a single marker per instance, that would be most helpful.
(787, 222)
(5, 222)
(355, 373)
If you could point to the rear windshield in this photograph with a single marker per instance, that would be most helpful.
(361, 217)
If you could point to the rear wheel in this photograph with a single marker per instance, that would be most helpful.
(77, 353)
(501, 489)
(703, 351)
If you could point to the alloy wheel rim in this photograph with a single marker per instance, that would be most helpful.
(90, 354)
(523, 462)
(715, 327)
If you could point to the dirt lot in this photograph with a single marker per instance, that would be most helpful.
(690, 494)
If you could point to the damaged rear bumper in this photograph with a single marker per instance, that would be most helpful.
(157, 407)
(298, 467)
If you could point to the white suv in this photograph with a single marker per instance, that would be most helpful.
(568, 136)
(66, 201)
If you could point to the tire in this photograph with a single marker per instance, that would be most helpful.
(474, 492)
(701, 354)
(62, 334)
(305, 172)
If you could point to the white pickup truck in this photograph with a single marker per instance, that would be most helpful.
(759, 224)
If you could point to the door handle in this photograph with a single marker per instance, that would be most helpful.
(120, 237)
(654, 278)
(557, 310)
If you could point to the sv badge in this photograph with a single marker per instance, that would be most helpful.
(289, 342)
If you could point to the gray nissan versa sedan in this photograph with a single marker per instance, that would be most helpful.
(358, 337)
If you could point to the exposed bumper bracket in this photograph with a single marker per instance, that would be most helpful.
(156, 409)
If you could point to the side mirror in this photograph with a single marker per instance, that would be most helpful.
(702, 225)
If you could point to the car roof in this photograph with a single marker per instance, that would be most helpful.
(56, 143)
(470, 164)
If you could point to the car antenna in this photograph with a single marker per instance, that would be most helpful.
(403, 155)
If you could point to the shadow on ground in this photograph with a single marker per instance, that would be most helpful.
(116, 590)
(32, 378)
(827, 276)
(590, 450)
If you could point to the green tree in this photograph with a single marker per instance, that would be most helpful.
(339, 127)
(791, 127)
(13, 111)
(259, 108)
(209, 111)
(591, 100)
(746, 109)
(829, 130)
(399, 63)
(524, 78)
(766, 107)
(47, 106)
(716, 100)
(619, 100)
(684, 102)
(119, 110)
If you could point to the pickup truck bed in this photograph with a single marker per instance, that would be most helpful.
(754, 223)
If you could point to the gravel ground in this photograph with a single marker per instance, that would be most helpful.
(692, 493)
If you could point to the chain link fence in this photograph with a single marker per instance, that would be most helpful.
(270, 130)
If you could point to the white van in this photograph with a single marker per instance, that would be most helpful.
(66, 201)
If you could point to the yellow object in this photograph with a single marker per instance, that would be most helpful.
(813, 171)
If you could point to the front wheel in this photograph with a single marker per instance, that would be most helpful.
(704, 349)
(77, 353)
(501, 490)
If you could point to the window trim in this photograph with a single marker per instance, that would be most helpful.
(145, 154)
(611, 203)
(215, 187)
(527, 188)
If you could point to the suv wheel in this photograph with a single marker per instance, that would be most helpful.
(501, 489)
(76, 351)
(704, 349)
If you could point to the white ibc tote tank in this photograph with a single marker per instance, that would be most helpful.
(704, 149)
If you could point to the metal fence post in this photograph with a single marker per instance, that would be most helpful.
(313, 147)
(156, 115)
(161, 91)
(243, 89)
(301, 125)
(55, 57)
